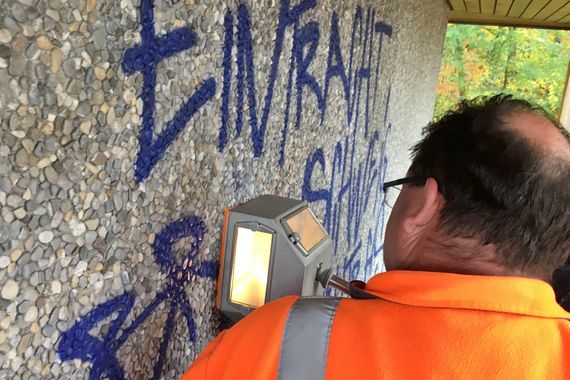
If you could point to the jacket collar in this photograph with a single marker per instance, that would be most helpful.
(515, 295)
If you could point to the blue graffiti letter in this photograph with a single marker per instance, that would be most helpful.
(336, 69)
(144, 58)
(308, 193)
(308, 35)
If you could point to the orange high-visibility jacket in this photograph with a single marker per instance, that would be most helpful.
(425, 325)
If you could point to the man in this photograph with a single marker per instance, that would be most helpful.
(479, 227)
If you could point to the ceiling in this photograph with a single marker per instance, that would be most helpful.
(530, 13)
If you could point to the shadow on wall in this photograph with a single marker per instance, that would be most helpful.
(354, 186)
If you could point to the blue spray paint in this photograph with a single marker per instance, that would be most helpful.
(77, 343)
(288, 16)
(336, 68)
(307, 36)
(359, 184)
(304, 47)
(382, 29)
(225, 114)
(144, 58)
(287, 104)
(355, 183)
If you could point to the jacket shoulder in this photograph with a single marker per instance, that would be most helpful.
(249, 349)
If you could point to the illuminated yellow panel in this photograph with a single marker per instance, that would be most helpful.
(307, 227)
(250, 267)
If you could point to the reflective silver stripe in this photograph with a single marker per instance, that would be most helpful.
(305, 343)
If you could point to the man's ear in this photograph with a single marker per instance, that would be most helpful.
(424, 207)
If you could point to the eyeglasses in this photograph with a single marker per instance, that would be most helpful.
(414, 181)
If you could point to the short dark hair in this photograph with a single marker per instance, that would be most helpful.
(561, 285)
(498, 187)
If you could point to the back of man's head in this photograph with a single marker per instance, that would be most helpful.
(503, 167)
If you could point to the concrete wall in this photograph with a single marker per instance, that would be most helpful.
(126, 129)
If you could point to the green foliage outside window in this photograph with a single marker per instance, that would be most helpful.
(482, 60)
